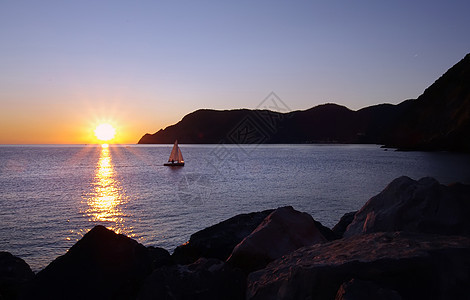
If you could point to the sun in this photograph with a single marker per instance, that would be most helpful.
(105, 132)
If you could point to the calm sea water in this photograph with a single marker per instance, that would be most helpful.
(50, 196)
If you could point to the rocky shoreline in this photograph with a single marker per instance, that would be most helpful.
(411, 241)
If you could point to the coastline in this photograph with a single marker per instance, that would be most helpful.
(421, 226)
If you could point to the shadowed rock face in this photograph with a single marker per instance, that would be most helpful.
(102, 265)
(282, 232)
(416, 266)
(204, 279)
(356, 289)
(419, 206)
(14, 273)
(159, 257)
(218, 241)
(343, 223)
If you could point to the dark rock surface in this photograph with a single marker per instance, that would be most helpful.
(14, 273)
(160, 257)
(282, 232)
(102, 265)
(218, 241)
(203, 279)
(329, 234)
(343, 223)
(420, 206)
(357, 289)
(417, 266)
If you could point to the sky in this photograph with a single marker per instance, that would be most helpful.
(67, 66)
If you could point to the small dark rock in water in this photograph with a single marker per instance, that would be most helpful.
(204, 279)
(102, 265)
(415, 265)
(419, 206)
(218, 241)
(356, 289)
(14, 273)
(282, 232)
(343, 223)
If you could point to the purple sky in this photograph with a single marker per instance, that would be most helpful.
(142, 65)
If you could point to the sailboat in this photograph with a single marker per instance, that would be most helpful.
(176, 157)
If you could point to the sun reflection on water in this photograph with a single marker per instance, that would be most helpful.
(107, 198)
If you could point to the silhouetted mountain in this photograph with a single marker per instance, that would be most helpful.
(203, 126)
(438, 120)
(327, 123)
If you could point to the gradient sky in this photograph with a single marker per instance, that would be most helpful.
(66, 66)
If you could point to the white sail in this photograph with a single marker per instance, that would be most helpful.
(180, 155)
(174, 152)
(176, 155)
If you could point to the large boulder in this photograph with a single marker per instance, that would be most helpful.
(102, 265)
(218, 241)
(204, 279)
(282, 232)
(419, 206)
(14, 274)
(416, 266)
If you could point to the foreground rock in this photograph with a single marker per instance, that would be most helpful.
(219, 240)
(343, 223)
(425, 258)
(282, 232)
(14, 273)
(159, 257)
(327, 233)
(102, 265)
(356, 289)
(418, 206)
(415, 266)
(204, 279)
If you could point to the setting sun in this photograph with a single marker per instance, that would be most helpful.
(105, 132)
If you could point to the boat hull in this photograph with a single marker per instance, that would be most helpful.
(176, 164)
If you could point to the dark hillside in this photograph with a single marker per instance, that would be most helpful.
(438, 120)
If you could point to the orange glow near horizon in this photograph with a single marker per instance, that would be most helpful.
(75, 124)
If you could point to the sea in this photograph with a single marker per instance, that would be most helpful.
(51, 195)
